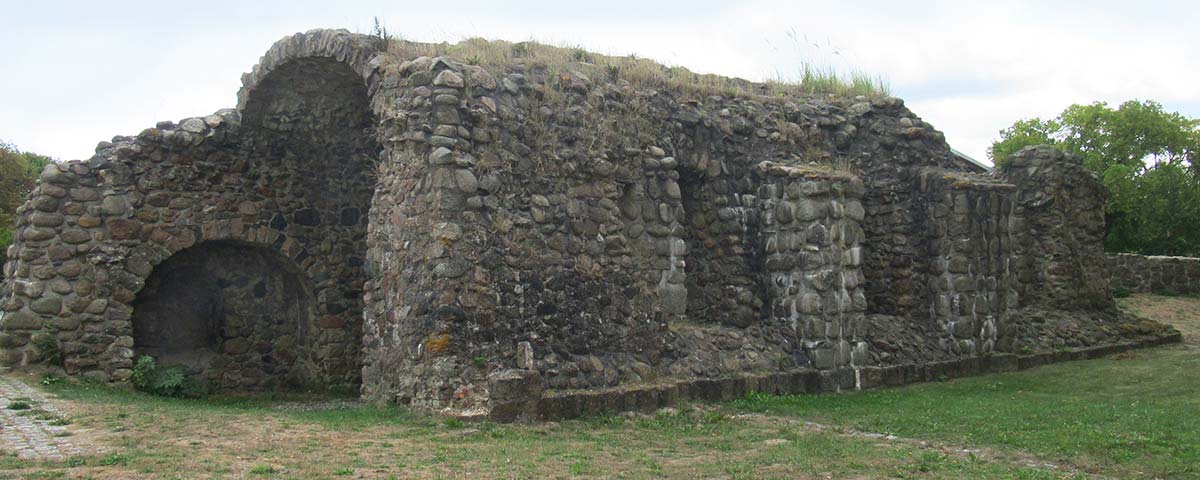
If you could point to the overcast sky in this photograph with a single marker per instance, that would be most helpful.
(75, 73)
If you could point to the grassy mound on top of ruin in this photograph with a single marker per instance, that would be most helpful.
(813, 79)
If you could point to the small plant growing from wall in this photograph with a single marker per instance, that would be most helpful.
(47, 347)
(165, 380)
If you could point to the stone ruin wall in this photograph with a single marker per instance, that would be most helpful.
(1154, 273)
(288, 177)
(613, 235)
(533, 232)
(812, 244)
(1060, 204)
(970, 239)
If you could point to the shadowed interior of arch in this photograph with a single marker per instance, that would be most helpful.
(237, 315)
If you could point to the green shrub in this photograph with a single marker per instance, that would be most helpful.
(47, 347)
(1121, 292)
(19, 405)
(166, 380)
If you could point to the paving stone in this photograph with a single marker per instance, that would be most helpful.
(30, 437)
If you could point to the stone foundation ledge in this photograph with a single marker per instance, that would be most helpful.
(557, 405)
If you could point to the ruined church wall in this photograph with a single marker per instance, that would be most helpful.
(566, 215)
(534, 257)
(602, 234)
(890, 149)
(598, 234)
(478, 239)
(813, 260)
(94, 232)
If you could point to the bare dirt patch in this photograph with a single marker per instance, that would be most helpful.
(1182, 312)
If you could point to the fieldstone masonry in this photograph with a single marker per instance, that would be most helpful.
(971, 249)
(515, 241)
(812, 244)
(1153, 273)
(236, 314)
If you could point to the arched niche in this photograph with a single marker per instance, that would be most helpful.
(236, 314)
(309, 136)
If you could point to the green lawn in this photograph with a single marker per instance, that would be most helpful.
(1131, 416)
(218, 438)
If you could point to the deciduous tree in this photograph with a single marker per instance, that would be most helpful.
(17, 174)
(1146, 156)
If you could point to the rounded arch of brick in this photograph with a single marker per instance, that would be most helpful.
(93, 231)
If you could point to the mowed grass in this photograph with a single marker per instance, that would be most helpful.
(1133, 415)
(151, 437)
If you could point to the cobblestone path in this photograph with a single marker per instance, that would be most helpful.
(33, 433)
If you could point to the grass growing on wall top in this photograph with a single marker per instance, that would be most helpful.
(640, 71)
(825, 79)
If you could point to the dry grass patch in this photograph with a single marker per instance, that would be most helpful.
(562, 60)
(1182, 312)
(151, 437)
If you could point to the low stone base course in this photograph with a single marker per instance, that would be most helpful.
(558, 405)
